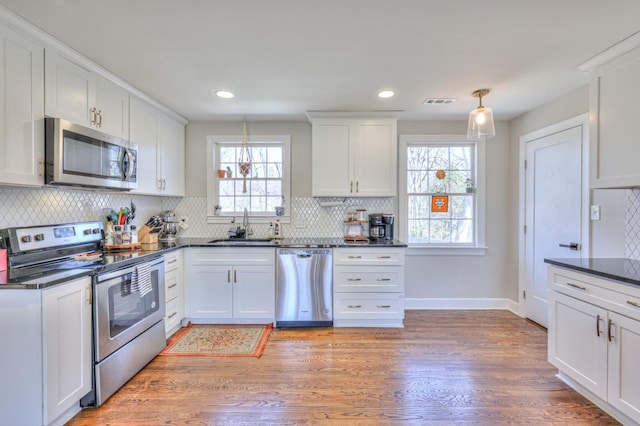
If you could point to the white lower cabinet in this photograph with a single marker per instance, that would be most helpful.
(594, 339)
(368, 287)
(47, 368)
(230, 284)
(174, 291)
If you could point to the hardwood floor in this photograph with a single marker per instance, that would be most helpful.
(444, 367)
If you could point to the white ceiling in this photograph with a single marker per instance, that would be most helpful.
(284, 57)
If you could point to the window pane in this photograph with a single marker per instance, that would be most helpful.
(440, 231)
(461, 231)
(419, 206)
(274, 170)
(274, 155)
(227, 155)
(416, 157)
(417, 181)
(226, 187)
(272, 202)
(274, 187)
(438, 158)
(259, 154)
(437, 185)
(461, 207)
(258, 170)
(418, 231)
(460, 158)
(257, 187)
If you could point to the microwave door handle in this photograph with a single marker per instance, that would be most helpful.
(127, 160)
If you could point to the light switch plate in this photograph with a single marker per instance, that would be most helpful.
(595, 212)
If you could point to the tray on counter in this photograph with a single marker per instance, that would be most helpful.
(123, 247)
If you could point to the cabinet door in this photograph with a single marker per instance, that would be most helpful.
(578, 341)
(332, 171)
(113, 109)
(66, 323)
(70, 90)
(376, 159)
(22, 110)
(254, 293)
(209, 292)
(144, 134)
(614, 145)
(624, 369)
(171, 156)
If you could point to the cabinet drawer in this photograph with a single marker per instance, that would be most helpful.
(172, 283)
(229, 255)
(368, 306)
(383, 279)
(616, 296)
(369, 256)
(172, 261)
(174, 314)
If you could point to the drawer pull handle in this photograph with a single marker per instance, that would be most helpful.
(384, 306)
(355, 257)
(172, 261)
(384, 257)
(172, 315)
(173, 285)
(579, 287)
(598, 325)
(355, 306)
(632, 303)
(384, 279)
(354, 279)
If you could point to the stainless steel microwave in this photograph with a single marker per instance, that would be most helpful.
(83, 157)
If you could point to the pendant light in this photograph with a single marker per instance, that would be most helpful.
(244, 163)
(480, 119)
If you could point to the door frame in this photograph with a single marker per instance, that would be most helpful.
(580, 120)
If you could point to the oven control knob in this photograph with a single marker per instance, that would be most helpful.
(96, 230)
(39, 237)
(87, 232)
(26, 239)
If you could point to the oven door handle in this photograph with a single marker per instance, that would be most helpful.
(102, 277)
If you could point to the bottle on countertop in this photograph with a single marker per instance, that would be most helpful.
(272, 231)
(278, 229)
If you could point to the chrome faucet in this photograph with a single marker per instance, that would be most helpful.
(245, 224)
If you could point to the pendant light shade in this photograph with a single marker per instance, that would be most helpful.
(480, 120)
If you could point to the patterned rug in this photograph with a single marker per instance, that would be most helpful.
(219, 340)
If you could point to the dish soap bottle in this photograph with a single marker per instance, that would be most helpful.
(272, 232)
(278, 230)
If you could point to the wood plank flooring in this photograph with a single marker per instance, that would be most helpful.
(444, 367)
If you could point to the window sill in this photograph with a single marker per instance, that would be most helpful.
(446, 250)
(226, 219)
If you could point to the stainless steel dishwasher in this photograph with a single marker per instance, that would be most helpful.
(304, 290)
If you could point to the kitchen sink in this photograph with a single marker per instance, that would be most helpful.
(240, 242)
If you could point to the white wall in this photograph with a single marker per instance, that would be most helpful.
(196, 151)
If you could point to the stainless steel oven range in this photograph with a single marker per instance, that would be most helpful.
(128, 315)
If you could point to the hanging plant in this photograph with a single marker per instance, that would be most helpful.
(244, 163)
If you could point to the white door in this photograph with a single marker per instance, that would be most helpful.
(553, 210)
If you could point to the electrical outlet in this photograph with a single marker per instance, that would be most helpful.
(595, 212)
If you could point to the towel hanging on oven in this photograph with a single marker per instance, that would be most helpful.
(141, 279)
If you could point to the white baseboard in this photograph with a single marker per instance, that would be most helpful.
(461, 303)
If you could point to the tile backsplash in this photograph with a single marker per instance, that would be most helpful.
(632, 224)
(22, 206)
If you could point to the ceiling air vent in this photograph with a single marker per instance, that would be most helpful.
(439, 101)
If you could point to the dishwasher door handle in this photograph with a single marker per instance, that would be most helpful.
(303, 256)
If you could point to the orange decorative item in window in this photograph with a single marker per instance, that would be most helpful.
(440, 203)
(440, 174)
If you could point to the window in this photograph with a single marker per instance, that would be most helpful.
(442, 210)
(267, 184)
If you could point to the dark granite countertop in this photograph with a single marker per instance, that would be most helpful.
(619, 269)
(112, 261)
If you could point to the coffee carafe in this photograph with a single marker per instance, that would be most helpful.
(169, 226)
(381, 226)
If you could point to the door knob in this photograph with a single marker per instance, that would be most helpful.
(572, 246)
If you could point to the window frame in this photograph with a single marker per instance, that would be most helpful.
(213, 163)
(478, 248)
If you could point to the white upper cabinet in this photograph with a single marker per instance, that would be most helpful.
(615, 146)
(22, 110)
(78, 95)
(354, 157)
(161, 144)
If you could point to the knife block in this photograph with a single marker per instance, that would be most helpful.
(146, 237)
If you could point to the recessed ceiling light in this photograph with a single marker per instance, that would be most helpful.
(223, 94)
(385, 94)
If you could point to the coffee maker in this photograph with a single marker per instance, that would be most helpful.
(381, 226)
